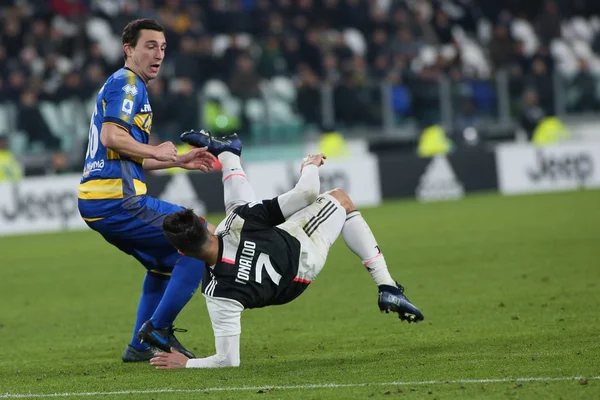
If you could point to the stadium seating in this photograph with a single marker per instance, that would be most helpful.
(397, 92)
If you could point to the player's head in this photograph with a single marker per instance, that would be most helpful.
(144, 47)
(187, 232)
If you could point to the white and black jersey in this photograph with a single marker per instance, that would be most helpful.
(258, 262)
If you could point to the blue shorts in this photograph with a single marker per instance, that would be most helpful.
(138, 232)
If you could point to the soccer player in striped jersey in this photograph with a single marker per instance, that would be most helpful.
(112, 193)
(268, 252)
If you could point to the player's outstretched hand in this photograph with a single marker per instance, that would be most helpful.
(171, 360)
(313, 159)
(166, 152)
(197, 159)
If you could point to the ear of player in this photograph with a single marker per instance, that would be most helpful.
(393, 299)
(216, 145)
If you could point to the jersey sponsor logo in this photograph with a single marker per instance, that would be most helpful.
(130, 89)
(245, 263)
(127, 107)
(146, 108)
(93, 166)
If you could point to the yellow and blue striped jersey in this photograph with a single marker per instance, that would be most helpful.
(109, 179)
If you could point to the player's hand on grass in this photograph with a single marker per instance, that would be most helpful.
(171, 360)
(313, 159)
(197, 159)
(166, 152)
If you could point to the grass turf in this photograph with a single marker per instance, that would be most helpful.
(509, 287)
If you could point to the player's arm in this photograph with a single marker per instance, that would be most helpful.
(306, 190)
(275, 211)
(118, 139)
(122, 98)
(153, 165)
(195, 159)
(228, 355)
(225, 316)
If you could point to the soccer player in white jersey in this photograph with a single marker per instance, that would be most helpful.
(268, 252)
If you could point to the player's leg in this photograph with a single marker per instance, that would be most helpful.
(228, 149)
(157, 329)
(360, 239)
(236, 188)
(316, 227)
(138, 232)
(153, 287)
(185, 276)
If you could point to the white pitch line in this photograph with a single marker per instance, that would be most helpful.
(308, 386)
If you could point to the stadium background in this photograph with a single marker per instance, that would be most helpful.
(383, 85)
(419, 99)
(282, 71)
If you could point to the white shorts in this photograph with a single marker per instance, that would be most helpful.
(316, 227)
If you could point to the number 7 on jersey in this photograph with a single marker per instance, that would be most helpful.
(265, 262)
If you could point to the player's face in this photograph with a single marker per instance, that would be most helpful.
(147, 56)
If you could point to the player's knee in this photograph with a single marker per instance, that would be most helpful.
(343, 198)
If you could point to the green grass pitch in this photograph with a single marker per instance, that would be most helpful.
(510, 289)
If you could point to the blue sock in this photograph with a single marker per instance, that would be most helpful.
(185, 279)
(152, 292)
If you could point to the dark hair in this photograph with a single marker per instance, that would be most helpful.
(131, 32)
(186, 231)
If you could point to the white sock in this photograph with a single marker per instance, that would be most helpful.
(360, 240)
(236, 188)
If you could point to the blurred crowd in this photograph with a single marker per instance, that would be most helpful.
(62, 49)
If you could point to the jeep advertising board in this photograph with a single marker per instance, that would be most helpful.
(529, 169)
